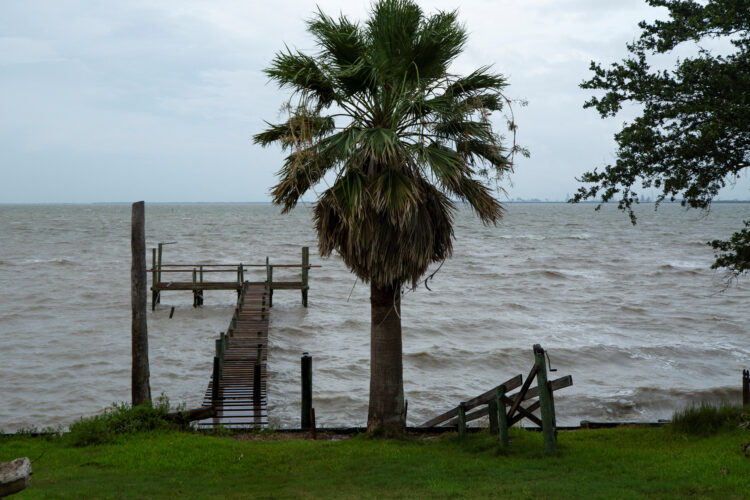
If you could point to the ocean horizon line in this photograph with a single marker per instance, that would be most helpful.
(530, 201)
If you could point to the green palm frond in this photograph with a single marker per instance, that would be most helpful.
(478, 82)
(439, 41)
(302, 73)
(394, 194)
(344, 48)
(401, 138)
(299, 128)
(300, 172)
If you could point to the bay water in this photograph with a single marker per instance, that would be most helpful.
(633, 313)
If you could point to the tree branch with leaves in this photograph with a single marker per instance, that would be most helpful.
(692, 137)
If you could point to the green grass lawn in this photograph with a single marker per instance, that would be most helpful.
(613, 463)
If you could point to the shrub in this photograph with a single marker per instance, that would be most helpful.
(118, 420)
(708, 419)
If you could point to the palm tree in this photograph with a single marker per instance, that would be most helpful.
(377, 119)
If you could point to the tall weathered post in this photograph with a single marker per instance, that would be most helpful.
(745, 388)
(140, 385)
(306, 391)
(546, 404)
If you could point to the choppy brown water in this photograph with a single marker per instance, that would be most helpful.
(633, 313)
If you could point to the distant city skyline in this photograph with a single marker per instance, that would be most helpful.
(158, 101)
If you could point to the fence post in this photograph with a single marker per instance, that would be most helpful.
(461, 419)
(492, 408)
(313, 427)
(745, 388)
(306, 365)
(305, 273)
(546, 404)
(502, 416)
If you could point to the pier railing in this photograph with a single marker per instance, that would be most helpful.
(194, 277)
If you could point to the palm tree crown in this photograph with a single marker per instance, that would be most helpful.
(376, 116)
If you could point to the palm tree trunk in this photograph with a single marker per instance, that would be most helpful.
(386, 412)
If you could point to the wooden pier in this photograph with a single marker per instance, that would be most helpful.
(237, 389)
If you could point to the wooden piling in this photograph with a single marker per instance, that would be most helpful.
(215, 382)
(305, 273)
(154, 282)
(306, 365)
(195, 289)
(159, 270)
(546, 404)
(257, 379)
(745, 388)
(220, 353)
(461, 420)
(140, 385)
(269, 277)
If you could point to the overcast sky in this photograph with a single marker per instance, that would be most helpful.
(158, 100)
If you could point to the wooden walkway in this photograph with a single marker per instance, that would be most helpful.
(237, 387)
(240, 396)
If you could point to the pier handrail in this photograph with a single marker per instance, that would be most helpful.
(233, 270)
(197, 284)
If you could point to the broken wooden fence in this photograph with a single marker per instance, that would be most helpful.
(505, 410)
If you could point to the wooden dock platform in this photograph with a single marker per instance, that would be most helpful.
(237, 389)
(171, 277)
